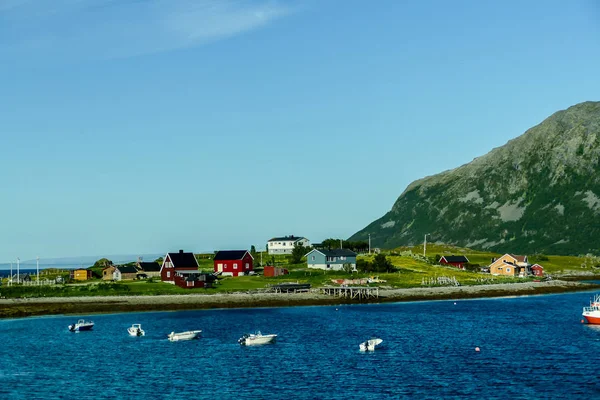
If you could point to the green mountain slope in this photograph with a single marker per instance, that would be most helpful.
(539, 193)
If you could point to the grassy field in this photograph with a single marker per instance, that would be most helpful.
(412, 270)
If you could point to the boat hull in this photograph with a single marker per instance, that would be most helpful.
(592, 318)
(370, 345)
(256, 340)
(177, 337)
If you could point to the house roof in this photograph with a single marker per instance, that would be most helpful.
(336, 252)
(230, 254)
(537, 266)
(126, 269)
(455, 259)
(518, 258)
(149, 266)
(183, 260)
(291, 237)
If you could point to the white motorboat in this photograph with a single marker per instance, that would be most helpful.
(252, 339)
(189, 335)
(136, 330)
(81, 325)
(370, 344)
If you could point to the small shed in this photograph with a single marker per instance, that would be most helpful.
(537, 270)
(107, 273)
(271, 270)
(456, 261)
(81, 274)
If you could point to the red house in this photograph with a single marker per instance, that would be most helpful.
(537, 270)
(455, 261)
(233, 262)
(175, 262)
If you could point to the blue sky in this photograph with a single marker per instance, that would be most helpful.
(133, 126)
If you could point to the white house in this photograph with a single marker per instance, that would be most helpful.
(285, 244)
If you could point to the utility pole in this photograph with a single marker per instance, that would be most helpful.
(18, 275)
(11, 275)
(38, 269)
(425, 244)
(341, 247)
(369, 244)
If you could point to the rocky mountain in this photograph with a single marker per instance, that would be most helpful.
(539, 193)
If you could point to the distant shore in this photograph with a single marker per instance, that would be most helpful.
(16, 308)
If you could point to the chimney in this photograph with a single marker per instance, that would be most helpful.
(180, 251)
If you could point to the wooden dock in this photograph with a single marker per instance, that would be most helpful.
(352, 292)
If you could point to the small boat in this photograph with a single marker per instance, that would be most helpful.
(136, 330)
(253, 339)
(189, 335)
(370, 344)
(81, 325)
(592, 313)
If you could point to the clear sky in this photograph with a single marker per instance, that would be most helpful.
(146, 126)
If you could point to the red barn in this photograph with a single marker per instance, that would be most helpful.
(174, 262)
(233, 262)
(537, 270)
(456, 261)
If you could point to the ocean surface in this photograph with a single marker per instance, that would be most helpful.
(531, 347)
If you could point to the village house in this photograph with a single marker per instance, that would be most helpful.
(108, 272)
(193, 279)
(333, 260)
(81, 274)
(177, 262)
(537, 270)
(233, 262)
(285, 244)
(509, 265)
(20, 278)
(124, 272)
(150, 269)
(456, 261)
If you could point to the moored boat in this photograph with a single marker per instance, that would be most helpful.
(188, 335)
(81, 325)
(253, 339)
(136, 330)
(370, 344)
(592, 313)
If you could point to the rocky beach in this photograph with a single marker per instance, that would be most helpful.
(24, 307)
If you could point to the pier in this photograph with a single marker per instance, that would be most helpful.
(352, 292)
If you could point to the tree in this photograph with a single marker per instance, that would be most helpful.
(252, 249)
(159, 260)
(298, 252)
(347, 267)
(382, 264)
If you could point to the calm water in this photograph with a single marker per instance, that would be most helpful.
(531, 347)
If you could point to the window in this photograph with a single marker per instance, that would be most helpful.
(168, 274)
(313, 258)
(190, 283)
(247, 266)
(507, 269)
(235, 266)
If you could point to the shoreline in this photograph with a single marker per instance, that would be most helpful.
(19, 308)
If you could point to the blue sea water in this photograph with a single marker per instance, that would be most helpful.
(531, 347)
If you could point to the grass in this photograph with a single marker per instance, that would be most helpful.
(412, 270)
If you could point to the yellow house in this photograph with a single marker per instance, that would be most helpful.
(509, 265)
(81, 274)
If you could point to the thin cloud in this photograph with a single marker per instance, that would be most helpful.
(100, 29)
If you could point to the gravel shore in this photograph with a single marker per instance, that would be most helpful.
(11, 308)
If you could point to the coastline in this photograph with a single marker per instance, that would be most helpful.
(17, 308)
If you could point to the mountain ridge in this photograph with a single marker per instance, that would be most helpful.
(540, 192)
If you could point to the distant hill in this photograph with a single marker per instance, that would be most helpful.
(539, 193)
